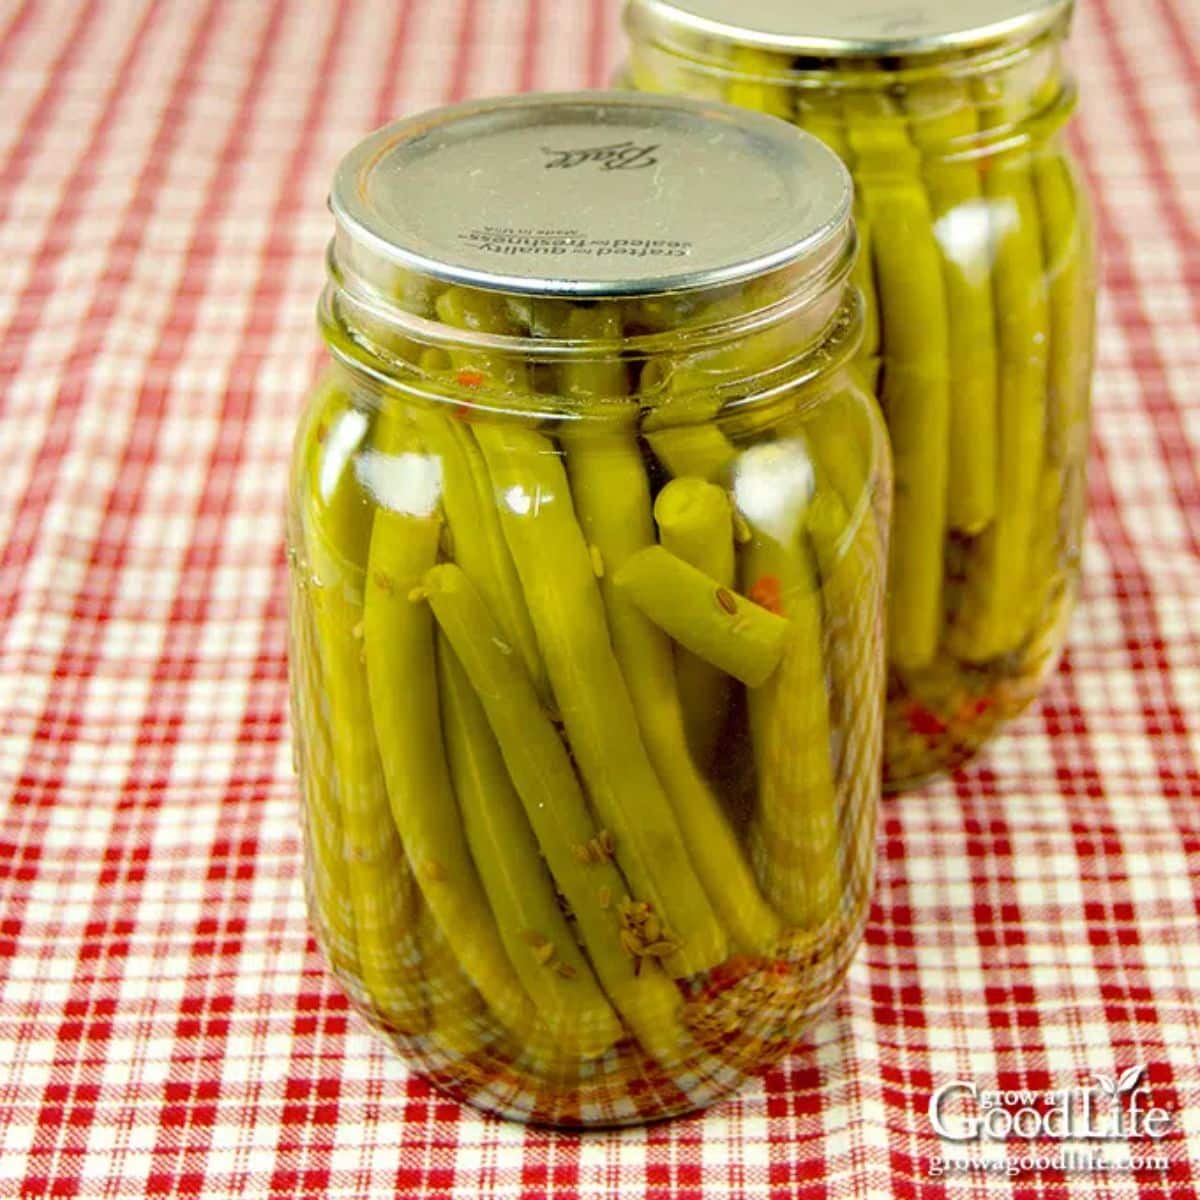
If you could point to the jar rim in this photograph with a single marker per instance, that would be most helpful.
(887, 29)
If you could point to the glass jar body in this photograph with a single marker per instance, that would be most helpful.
(978, 267)
(588, 720)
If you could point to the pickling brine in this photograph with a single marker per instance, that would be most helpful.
(588, 562)
(978, 274)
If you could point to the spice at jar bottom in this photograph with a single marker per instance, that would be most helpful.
(588, 542)
(978, 274)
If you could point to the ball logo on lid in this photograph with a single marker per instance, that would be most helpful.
(622, 156)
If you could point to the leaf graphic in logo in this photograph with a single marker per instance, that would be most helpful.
(1130, 1079)
(1107, 1086)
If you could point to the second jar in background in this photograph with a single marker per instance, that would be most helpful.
(978, 270)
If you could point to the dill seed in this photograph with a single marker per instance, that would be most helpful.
(565, 970)
(605, 897)
(662, 949)
(726, 601)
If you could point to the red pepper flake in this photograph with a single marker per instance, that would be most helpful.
(974, 710)
(471, 379)
(767, 593)
(921, 721)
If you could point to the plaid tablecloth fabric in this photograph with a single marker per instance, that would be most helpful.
(166, 1025)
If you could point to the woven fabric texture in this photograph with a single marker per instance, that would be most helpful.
(167, 1027)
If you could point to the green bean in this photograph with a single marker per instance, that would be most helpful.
(835, 432)
(548, 787)
(990, 619)
(727, 630)
(336, 528)
(794, 835)
(1066, 245)
(695, 523)
(479, 546)
(702, 451)
(850, 559)
(460, 1026)
(820, 113)
(483, 312)
(398, 644)
(754, 87)
(557, 569)
(612, 498)
(329, 879)
(601, 375)
(941, 114)
(536, 935)
(916, 391)
(691, 387)
(327, 874)
(1060, 500)
(555, 565)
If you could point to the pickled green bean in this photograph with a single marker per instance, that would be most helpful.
(398, 646)
(612, 497)
(459, 1023)
(732, 633)
(753, 87)
(1066, 247)
(479, 546)
(820, 114)
(518, 885)
(1061, 496)
(794, 835)
(336, 528)
(990, 622)
(850, 560)
(695, 523)
(548, 787)
(702, 451)
(327, 874)
(915, 349)
(941, 114)
(310, 726)
(557, 570)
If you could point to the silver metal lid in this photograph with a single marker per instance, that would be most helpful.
(846, 28)
(593, 194)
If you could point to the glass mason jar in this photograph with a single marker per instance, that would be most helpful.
(588, 532)
(980, 285)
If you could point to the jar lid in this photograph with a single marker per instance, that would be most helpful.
(593, 194)
(854, 28)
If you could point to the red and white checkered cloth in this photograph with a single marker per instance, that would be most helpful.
(166, 1026)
